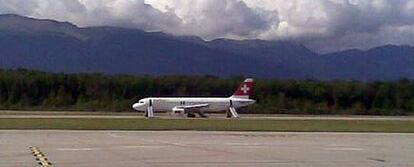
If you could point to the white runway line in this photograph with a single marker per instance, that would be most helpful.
(142, 146)
(261, 146)
(112, 148)
(113, 135)
(344, 149)
(165, 142)
(75, 149)
(254, 144)
(338, 145)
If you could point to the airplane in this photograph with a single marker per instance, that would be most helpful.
(198, 105)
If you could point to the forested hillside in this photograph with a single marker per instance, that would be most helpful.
(54, 46)
(34, 90)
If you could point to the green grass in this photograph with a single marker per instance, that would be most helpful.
(209, 124)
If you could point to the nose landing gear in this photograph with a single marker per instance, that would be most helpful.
(150, 110)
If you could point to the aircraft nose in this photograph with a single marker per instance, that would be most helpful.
(135, 106)
(252, 101)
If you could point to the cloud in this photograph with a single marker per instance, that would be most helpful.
(218, 18)
(331, 25)
(323, 25)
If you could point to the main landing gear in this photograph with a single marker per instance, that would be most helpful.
(232, 113)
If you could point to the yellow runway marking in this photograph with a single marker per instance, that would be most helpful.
(40, 157)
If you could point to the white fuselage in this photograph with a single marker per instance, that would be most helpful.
(169, 103)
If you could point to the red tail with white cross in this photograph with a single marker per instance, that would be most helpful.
(244, 90)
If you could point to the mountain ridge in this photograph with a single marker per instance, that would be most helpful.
(55, 46)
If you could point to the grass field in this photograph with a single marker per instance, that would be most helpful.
(209, 124)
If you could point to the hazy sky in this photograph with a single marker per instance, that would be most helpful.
(322, 25)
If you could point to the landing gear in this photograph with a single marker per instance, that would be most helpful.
(228, 114)
(191, 115)
(202, 115)
(150, 110)
(232, 113)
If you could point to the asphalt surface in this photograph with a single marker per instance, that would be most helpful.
(189, 148)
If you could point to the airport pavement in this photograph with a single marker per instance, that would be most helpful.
(67, 114)
(191, 148)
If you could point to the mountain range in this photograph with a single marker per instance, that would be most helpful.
(64, 47)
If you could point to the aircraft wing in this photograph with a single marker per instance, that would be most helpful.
(195, 106)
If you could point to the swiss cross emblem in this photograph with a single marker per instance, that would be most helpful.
(245, 89)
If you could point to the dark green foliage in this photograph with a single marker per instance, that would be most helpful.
(23, 89)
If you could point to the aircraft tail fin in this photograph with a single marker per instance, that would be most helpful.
(244, 90)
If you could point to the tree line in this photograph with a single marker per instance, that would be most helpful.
(35, 90)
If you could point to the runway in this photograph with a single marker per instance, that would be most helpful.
(137, 115)
(192, 148)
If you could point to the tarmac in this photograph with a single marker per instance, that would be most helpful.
(138, 115)
(20, 148)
